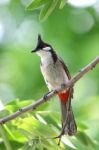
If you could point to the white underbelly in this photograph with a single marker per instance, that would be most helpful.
(54, 75)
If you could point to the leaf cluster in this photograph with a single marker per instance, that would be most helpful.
(36, 130)
(46, 7)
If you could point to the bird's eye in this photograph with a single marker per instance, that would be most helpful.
(47, 48)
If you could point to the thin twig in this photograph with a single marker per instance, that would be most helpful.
(70, 83)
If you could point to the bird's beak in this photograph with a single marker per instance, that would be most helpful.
(38, 44)
(34, 50)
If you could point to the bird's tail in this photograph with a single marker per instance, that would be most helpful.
(68, 120)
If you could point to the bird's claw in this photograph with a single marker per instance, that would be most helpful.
(45, 97)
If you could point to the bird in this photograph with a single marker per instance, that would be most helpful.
(56, 75)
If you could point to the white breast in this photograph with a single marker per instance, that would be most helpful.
(54, 73)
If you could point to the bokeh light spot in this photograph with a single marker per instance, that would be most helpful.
(1, 31)
(4, 2)
(80, 21)
(82, 3)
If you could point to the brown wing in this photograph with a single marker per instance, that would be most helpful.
(68, 74)
(65, 68)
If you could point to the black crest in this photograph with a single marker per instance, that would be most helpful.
(40, 44)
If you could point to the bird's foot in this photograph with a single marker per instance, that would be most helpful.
(45, 97)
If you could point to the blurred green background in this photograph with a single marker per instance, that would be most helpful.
(74, 34)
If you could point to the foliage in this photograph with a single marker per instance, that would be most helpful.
(36, 130)
(48, 7)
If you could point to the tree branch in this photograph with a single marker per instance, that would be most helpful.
(70, 83)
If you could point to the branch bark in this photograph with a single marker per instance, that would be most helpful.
(70, 83)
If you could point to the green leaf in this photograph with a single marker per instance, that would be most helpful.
(9, 131)
(48, 9)
(85, 139)
(35, 4)
(17, 104)
(5, 139)
(16, 145)
(34, 126)
(62, 3)
(82, 126)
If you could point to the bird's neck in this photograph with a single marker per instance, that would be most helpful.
(47, 59)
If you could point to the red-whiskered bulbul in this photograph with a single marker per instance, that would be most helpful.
(56, 74)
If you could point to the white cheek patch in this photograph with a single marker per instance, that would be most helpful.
(47, 48)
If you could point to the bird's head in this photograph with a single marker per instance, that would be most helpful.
(42, 49)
